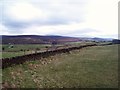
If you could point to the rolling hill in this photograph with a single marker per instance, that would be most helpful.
(35, 39)
(38, 39)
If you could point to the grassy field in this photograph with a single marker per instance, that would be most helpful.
(92, 67)
(18, 47)
(18, 50)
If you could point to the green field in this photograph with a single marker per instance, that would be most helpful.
(19, 50)
(91, 67)
(18, 47)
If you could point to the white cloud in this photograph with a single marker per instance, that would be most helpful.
(45, 11)
(103, 15)
(3, 29)
(69, 29)
(25, 12)
(64, 17)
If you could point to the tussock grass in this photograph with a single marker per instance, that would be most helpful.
(91, 67)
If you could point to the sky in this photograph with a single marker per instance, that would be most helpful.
(77, 18)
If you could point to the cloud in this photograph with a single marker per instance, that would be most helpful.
(43, 12)
(25, 12)
(67, 30)
(60, 17)
(9, 31)
(3, 29)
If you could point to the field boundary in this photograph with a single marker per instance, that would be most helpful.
(8, 62)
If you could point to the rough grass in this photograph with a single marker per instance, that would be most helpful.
(93, 67)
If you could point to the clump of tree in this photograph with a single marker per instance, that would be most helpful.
(116, 41)
(3, 48)
(21, 50)
(54, 43)
(47, 48)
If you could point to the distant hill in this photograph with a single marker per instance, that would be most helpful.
(96, 39)
(102, 39)
(36, 39)
(116, 41)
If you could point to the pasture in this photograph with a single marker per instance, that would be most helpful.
(24, 49)
(91, 67)
(19, 50)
